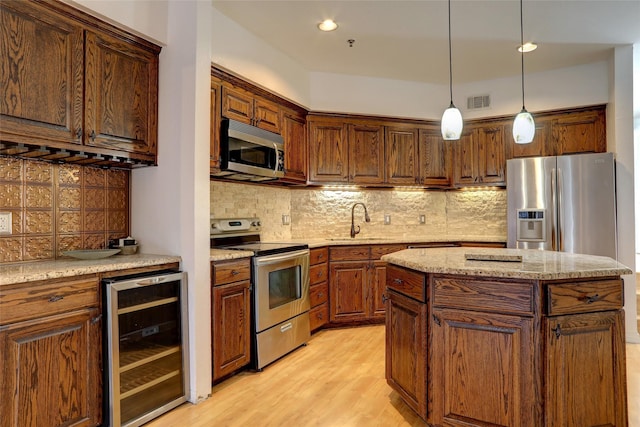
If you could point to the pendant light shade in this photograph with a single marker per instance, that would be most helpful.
(524, 127)
(451, 124)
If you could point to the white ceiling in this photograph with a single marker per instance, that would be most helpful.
(407, 40)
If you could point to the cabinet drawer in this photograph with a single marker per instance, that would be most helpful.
(378, 251)
(350, 253)
(318, 273)
(318, 294)
(231, 271)
(31, 301)
(318, 255)
(483, 295)
(406, 282)
(585, 297)
(318, 316)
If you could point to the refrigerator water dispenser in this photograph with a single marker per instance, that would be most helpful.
(531, 225)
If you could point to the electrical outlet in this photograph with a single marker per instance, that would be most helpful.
(286, 220)
(5, 222)
(387, 219)
(423, 219)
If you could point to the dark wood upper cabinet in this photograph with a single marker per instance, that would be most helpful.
(465, 158)
(366, 154)
(491, 159)
(328, 156)
(71, 80)
(435, 159)
(401, 155)
(214, 138)
(294, 133)
(121, 95)
(42, 74)
(246, 107)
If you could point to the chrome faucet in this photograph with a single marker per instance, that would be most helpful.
(366, 218)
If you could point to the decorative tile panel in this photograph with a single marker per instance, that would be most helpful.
(69, 198)
(60, 207)
(38, 196)
(69, 222)
(40, 172)
(69, 174)
(38, 248)
(10, 249)
(10, 169)
(94, 177)
(39, 222)
(10, 195)
(94, 198)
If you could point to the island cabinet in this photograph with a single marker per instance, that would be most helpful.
(230, 317)
(357, 283)
(469, 350)
(319, 287)
(96, 99)
(50, 341)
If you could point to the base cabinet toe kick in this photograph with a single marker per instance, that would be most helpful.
(468, 350)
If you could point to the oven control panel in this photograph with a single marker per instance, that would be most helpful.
(234, 226)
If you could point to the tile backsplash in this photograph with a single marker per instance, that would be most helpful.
(318, 212)
(60, 207)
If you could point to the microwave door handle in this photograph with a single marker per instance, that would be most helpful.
(275, 164)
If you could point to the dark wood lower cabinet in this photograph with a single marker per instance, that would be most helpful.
(231, 343)
(483, 370)
(406, 350)
(51, 371)
(482, 351)
(586, 388)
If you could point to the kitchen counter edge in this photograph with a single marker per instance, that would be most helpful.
(67, 267)
(535, 264)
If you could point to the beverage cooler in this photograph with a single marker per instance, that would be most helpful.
(146, 353)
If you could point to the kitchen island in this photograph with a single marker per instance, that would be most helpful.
(478, 337)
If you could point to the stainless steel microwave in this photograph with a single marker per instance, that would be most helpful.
(249, 153)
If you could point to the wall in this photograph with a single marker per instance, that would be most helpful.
(326, 213)
(56, 208)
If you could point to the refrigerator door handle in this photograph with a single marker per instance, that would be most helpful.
(554, 211)
(558, 212)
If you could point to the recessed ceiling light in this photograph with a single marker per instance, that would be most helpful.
(527, 47)
(327, 25)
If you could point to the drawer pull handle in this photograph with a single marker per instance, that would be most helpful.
(320, 294)
(319, 274)
(234, 272)
(592, 299)
(56, 298)
(96, 319)
(557, 331)
(384, 298)
(398, 281)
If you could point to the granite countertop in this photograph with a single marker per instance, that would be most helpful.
(226, 254)
(535, 264)
(317, 242)
(68, 267)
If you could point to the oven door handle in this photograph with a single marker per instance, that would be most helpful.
(272, 259)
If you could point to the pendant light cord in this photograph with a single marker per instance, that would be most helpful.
(450, 66)
(521, 52)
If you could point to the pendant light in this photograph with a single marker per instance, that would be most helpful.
(451, 124)
(523, 126)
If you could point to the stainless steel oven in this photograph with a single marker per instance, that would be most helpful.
(279, 288)
(281, 304)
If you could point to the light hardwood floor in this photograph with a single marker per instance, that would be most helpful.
(337, 380)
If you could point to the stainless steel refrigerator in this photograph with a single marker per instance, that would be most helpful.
(563, 203)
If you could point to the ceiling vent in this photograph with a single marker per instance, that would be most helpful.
(478, 102)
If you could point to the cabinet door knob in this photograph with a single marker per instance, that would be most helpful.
(398, 281)
(79, 133)
(384, 298)
(436, 320)
(92, 135)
